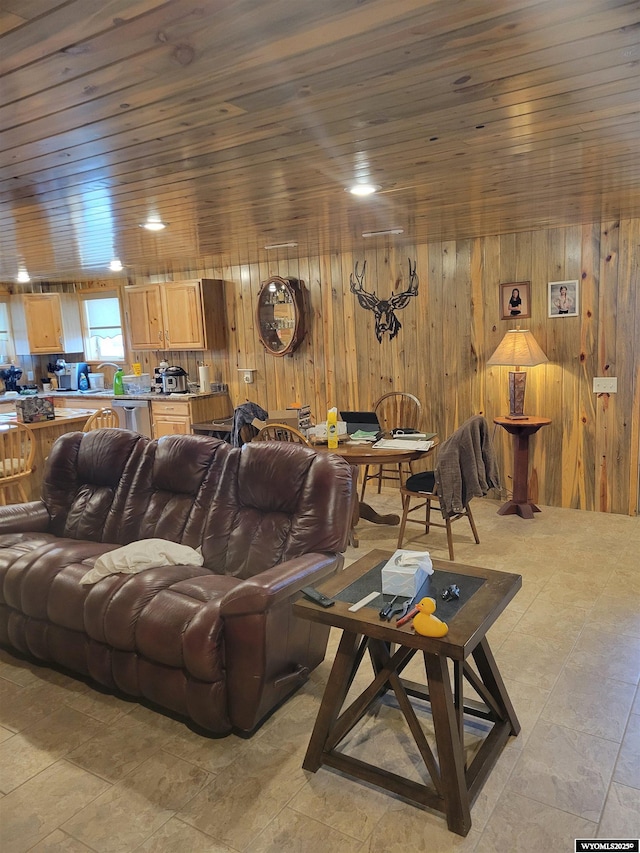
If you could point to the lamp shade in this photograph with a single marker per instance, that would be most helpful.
(518, 348)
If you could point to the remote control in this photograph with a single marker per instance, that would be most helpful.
(313, 595)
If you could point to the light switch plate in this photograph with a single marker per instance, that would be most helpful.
(605, 384)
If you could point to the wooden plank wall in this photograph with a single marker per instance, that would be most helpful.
(588, 458)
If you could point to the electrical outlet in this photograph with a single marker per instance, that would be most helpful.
(29, 375)
(605, 385)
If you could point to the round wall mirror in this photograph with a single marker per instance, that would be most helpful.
(281, 315)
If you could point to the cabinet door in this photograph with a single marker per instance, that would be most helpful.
(43, 317)
(171, 425)
(170, 418)
(182, 311)
(144, 316)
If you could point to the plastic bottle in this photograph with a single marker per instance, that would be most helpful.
(118, 385)
(332, 428)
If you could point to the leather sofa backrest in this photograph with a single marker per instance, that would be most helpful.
(283, 501)
(86, 481)
(249, 508)
(176, 480)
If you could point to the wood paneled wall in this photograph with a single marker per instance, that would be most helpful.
(588, 458)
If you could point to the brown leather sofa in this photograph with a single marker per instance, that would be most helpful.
(218, 644)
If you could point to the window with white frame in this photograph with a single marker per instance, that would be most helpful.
(102, 321)
(6, 336)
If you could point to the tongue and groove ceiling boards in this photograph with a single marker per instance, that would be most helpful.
(239, 123)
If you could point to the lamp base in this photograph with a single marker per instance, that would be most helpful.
(517, 384)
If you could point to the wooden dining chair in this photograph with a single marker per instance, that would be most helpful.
(281, 432)
(467, 458)
(395, 410)
(101, 419)
(17, 452)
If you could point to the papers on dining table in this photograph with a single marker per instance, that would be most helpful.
(363, 435)
(403, 444)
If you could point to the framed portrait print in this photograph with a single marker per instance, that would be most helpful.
(515, 300)
(563, 298)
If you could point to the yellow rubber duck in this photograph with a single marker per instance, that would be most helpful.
(426, 623)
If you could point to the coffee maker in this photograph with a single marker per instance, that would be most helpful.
(70, 374)
(10, 376)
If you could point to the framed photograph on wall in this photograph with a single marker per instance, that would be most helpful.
(515, 300)
(563, 298)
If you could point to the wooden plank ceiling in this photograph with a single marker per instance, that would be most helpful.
(240, 123)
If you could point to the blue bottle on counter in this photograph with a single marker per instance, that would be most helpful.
(118, 385)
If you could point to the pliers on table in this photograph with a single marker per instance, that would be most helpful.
(391, 609)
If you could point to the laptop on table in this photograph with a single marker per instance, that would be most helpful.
(364, 421)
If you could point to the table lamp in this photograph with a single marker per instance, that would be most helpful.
(520, 348)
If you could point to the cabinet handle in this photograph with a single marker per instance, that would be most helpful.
(166, 335)
(160, 336)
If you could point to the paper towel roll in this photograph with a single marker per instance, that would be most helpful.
(204, 378)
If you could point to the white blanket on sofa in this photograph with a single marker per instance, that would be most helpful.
(141, 555)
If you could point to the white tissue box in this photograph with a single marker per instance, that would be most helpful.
(398, 579)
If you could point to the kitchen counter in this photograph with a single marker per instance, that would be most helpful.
(109, 395)
(46, 433)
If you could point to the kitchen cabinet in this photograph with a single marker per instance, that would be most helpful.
(178, 315)
(46, 323)
(173, 415)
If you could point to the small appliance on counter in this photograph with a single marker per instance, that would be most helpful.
(10, 376)
(158, 373)
(72, 375)
(175, 381)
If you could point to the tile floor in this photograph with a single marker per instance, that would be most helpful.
(82, 771)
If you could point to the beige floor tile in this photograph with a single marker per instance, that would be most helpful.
(347, 805)
(492, 789)
(525, 596)
(607, 653)
(59, 842)
(292, 832)
(561, 622)
(34, 810)
(177, 837)
(21, 707)
(116, 750)
(20, 672)
(236, 808)
(101, 706)
(30, 751)
(404, 827)
(522, 825)
(128, 813)
(597, 706)
(565, 769)
(621, 816)
(528, 701)
(627, 770)
(566, 589)
(119, 820)
(532, 660)
(5, 734)
(616, 613)
(290, 728)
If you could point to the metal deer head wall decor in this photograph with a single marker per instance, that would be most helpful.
(384, 309)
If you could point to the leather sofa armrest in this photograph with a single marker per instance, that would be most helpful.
(21, 518)
(257, 594)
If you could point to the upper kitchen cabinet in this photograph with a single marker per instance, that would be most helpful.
(179, 315)
(46, 323)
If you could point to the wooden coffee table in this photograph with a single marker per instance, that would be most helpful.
(452, 786)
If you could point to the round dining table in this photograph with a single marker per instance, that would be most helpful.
(359, 454)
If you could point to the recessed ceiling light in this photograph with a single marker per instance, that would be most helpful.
(382, 233)
(23, 276)
(282, 246)
(154, 223)
(115, 265)
(363, 189)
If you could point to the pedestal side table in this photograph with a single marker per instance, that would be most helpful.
(520, 429)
